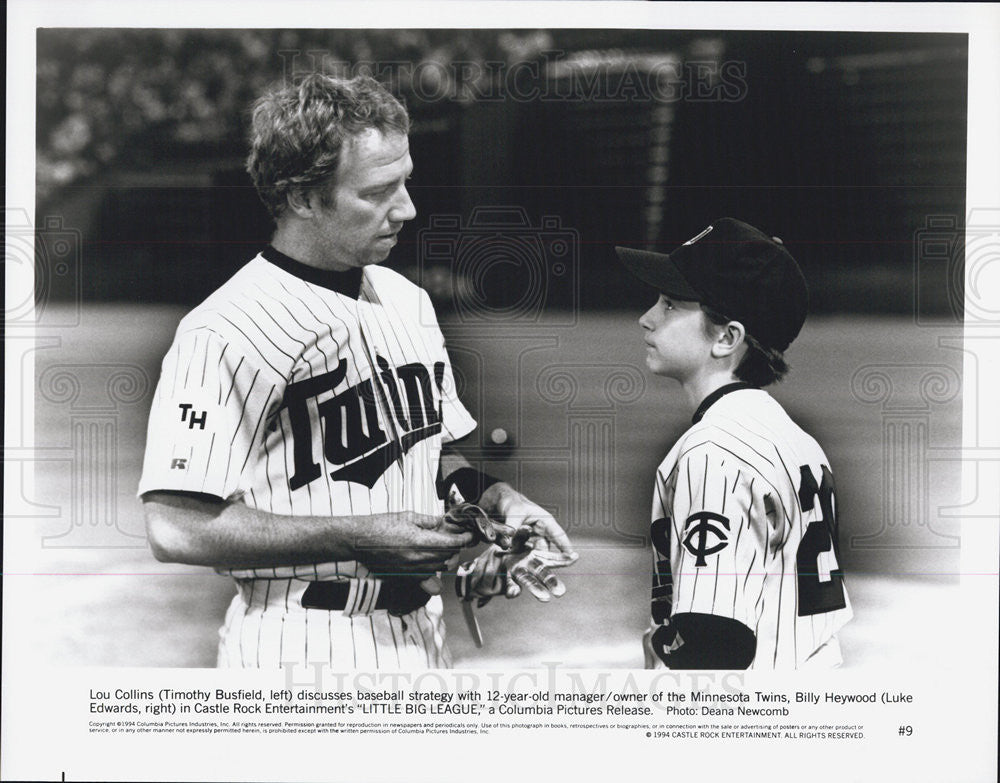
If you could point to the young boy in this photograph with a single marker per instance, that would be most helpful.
(744, 524)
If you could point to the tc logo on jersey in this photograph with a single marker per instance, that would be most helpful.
(698, 528)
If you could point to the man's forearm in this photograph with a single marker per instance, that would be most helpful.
(196, 531)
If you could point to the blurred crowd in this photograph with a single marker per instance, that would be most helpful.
(103, 92)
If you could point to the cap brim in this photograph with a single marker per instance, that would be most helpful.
(659, 271)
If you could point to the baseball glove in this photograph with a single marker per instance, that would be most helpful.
(505, 571)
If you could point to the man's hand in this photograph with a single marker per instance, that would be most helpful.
(501, 501)
(406, 543)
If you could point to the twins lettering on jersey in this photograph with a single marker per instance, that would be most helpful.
(353, 438)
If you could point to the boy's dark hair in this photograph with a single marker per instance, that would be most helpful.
(760, 366)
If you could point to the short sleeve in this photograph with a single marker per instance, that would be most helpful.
(722, 530)
(456, 421)
(207, 419)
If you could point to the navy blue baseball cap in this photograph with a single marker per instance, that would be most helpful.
(736, 270)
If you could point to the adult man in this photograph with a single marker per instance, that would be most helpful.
(297, 430)
(744, 528)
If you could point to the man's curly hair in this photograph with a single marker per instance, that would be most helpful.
(297, 132)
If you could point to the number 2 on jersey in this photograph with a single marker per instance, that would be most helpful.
(821, 582)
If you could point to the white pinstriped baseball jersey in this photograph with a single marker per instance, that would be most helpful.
(309, 393)
(744, 527)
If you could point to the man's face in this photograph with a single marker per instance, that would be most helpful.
(368, 203)
(678, 345)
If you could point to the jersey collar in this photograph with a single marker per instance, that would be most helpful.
(347, 283)
(717, 395)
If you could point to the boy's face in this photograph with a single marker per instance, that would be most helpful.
(678, 343)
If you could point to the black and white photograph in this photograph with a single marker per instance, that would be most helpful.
(507, 340)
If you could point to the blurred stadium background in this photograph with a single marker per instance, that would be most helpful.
(536, 151)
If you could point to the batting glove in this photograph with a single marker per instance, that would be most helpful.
(525, 565)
